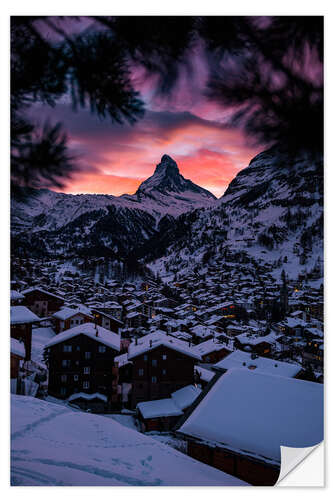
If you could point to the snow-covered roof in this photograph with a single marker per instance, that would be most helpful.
(156, 339)
(17, 347)
(244, 360)
(256, 413)
(205, 375)
(185, 396)
(92, 450)
(202, 331)
(88, 397)
(21, 314)
(41, 290)
(15, 295)
(105, 336)
(253, 339)
(159, 408)
(69, 312)
(210, 345)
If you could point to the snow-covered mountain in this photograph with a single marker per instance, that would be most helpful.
(165, 192)
(58, 223)
(271, 213)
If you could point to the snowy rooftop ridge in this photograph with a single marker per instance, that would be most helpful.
(103, 336)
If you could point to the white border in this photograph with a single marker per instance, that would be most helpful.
(147, 7)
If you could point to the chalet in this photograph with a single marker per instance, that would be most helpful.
(21, 320)
(96, 403)
(254, 363)
(313, 354)
(251, 342)
(136, 319)
(81, 359)
(69, 317)
(163, 414)
(292, 326)
(106, 320)
(270, 410)
(161, 365)
(211, 351)
(41, 302)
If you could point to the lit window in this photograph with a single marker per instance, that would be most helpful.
(86, 385)
(87, 355)
(86, 370)
(164, 357)
(164, 372)
(101, 348)
(154, 380)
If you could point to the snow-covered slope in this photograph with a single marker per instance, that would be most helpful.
(271, 213)
(52, 445)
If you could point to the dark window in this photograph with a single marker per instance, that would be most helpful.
(154, 380)
(154, 362)
(87, 355)
(101, 348)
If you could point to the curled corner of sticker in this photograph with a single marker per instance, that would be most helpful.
(291, 458)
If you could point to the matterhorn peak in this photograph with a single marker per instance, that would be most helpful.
(167, 180)
(167, 166)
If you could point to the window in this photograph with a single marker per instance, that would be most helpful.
(86, 370)
(153, 362)
(140, 372)
(145, 357)
(154, 380)
(63, 378)
(164, 372)
(67, 348)
(76, 378)
(87, 355)
(77, 347)
(101, 348)
(86, 385)
(63, 391)
(66, 363)
(164, 357)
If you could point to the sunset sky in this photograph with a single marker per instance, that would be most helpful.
(115, 159)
